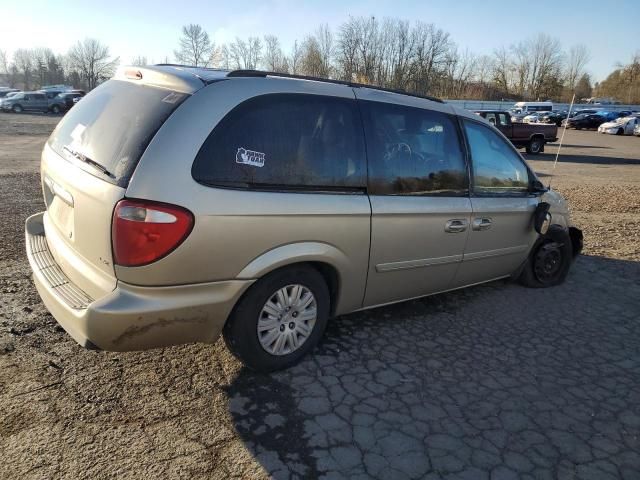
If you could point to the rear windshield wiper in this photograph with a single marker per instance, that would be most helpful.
(87, 160)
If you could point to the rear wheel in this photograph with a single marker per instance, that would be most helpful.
(280, 319)
(536, 145)
(17, 108)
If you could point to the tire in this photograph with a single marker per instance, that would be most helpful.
(536, 145)
(550, 259)
(17, 108)
(55, 109)
(241, 330)
(620, 132)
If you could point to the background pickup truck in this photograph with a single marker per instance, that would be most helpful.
(532, 136)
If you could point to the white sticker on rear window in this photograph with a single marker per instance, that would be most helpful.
(172, 98)
(249, 157)
(76, 133)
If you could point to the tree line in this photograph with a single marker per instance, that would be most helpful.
(415, 56)
(85, 65)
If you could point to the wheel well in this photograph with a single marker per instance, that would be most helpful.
(328, 272)
(330, 275)
(537, 135)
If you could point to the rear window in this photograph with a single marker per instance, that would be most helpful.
(113, 125)
(286, 141)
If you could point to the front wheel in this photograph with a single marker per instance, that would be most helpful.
(536, 145)
(17, 109)
(549, 262)
(279, 319)
(55, 109)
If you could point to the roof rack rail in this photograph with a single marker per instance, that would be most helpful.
(187, 66)
(261, 73)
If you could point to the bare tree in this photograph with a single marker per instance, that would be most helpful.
(139, 61)
(224, 59)
(312, 60)
(245, 55)
(546, 66)
(347, 50)
(4, 64)
(295, 61)
(92, 61)
(460, 71)
(47, 66)
(625, 81)
(401, 50)
(23, 61)
(195, 48)
(521, 67)
(326, 48)
(502, 70)
(576, 62)
(274, 59)
(432, 49)
(482, 74)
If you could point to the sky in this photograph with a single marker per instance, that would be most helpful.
(610, 30)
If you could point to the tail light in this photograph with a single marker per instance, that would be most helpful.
(143, 231)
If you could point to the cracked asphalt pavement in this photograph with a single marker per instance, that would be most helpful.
(492, 382)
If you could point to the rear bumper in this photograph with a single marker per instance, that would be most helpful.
(130, 317)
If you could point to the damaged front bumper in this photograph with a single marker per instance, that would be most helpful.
(130, 317)
(577, 240)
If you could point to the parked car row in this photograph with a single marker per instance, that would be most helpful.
(615, 123)
(54, 101)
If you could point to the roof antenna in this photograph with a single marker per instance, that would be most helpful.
(562, 138)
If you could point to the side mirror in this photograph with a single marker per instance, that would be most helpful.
(542, 218)
(538, 187)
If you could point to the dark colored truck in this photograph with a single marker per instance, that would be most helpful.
(532, 136)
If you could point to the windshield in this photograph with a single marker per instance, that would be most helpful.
(113, 125)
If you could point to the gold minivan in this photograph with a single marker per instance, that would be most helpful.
(185, 202)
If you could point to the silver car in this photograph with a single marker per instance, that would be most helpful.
(26, 101)
(184, 203)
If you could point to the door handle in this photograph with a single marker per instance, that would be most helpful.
(481, 224)
(455, 225)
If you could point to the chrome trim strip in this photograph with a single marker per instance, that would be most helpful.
(59, 191)
(495, 253)
(424, 262)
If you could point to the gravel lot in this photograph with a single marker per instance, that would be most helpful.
(496, 381)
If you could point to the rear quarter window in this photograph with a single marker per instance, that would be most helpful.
(286, 141)
(114, 124)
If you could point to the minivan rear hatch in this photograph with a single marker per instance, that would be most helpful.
(86, 167)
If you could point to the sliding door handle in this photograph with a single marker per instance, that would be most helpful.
(455, 225)
(481, 223)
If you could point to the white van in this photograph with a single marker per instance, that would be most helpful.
(530, 107)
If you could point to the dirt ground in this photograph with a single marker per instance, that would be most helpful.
(470, 384)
